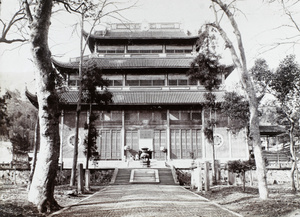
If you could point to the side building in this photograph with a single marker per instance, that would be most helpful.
(155, 105)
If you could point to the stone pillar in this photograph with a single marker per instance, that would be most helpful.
(200, 185)
(206, 176)
(87, 179)
(203, 135)
(231, 178)
(61, 161)
(168, 136)
(193, 184)
(80, 179)
(218, 170)
(123, 137)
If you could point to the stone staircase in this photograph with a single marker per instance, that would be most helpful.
(127, 176)
(144, 176)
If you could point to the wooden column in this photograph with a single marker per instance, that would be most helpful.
(80, 179)
(206, 176)
(168, 136)
(61, 139)
(200, 185)
(123, 136)
(203, 135)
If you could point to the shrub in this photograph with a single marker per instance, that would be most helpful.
(241, 167)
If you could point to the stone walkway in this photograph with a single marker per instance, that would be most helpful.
(145, 200)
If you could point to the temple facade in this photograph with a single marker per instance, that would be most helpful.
(155, 105)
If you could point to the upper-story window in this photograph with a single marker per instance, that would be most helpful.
(73, 81)
(111, 116)
(179, 49)
(145, 49)
(110, 48)
(176, 115)
(180, 80)
(114, 80)
(145, 80)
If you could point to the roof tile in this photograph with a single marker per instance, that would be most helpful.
(149, 97)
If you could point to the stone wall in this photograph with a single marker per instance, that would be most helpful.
(278, 176)
(11, 176)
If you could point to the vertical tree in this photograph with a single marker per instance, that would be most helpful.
(88, 10)
(38, 14)
(286, 88)
(208, 71)
(240, 63)
(41, 192)
(92, 79)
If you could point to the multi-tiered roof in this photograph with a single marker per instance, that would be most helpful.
(145, 48)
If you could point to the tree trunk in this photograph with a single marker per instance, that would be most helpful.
(78, 110)
(294, 160)
(244, 180)
(241, 65)
(213, 166)
(36, 145)
(88, 152)
(75, 153)
(41, 192)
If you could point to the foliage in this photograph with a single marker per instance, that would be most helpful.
(90, 141)
(285, 86)
(17, 120)
(239, 166)
(92, 79)
(184, 178)
(236, 107)
(207, 70)
(22, 116)
(262, 76)
(286, 80)
(4, 119)
(20, 143)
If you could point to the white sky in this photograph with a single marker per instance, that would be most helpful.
(257, 21)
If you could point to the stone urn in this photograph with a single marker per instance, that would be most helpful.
(145, 157)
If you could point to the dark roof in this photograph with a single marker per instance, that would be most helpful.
(142, 35)
(149, 97)
(32, 98)
(269, 130)
(121, 63)
(140, 38)
(142, 97)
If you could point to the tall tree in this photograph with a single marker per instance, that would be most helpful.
(208, 71)
(286, 88)
(91, 81)
(38, 14)
(41, 192)
(93, 11)
(240, 63)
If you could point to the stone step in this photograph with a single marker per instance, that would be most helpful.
(143, 176)
(165, 176)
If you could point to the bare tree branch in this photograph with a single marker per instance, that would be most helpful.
(18, 17)
(288, 13)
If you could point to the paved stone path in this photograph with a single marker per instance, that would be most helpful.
(145, 200)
